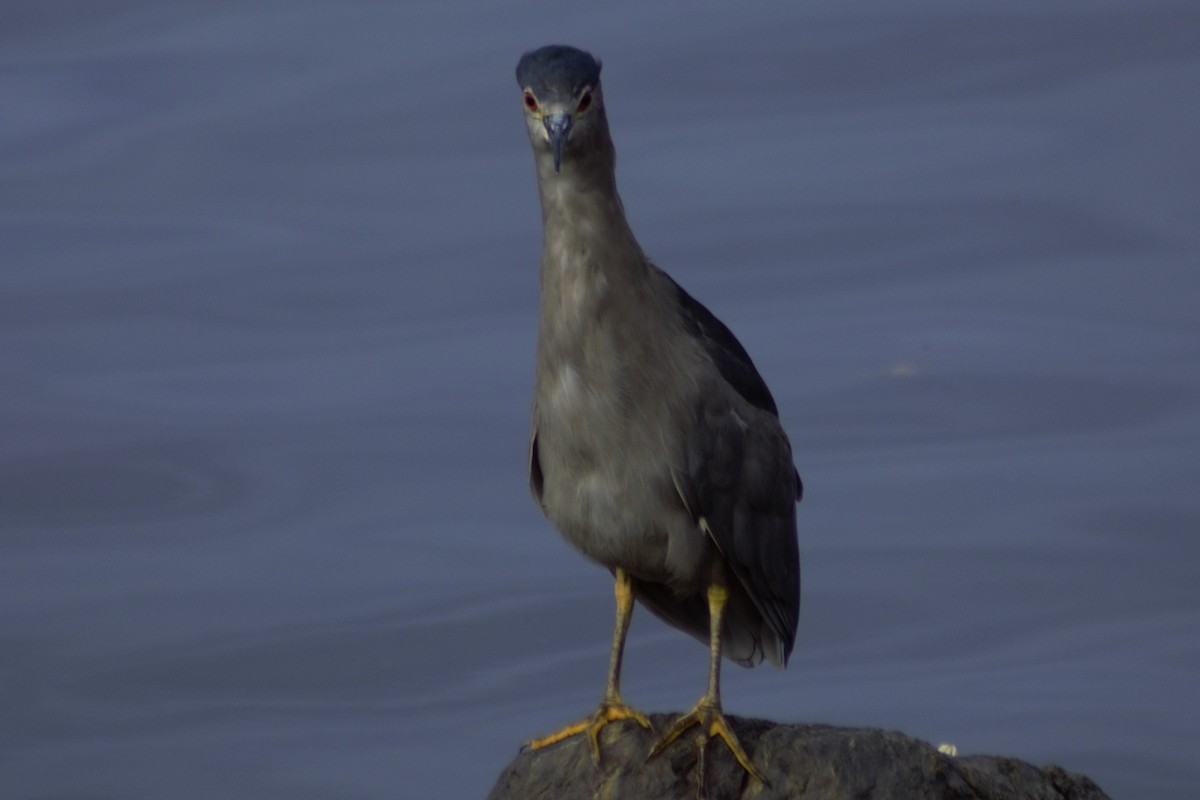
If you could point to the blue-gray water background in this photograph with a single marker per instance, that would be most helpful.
(268, 292)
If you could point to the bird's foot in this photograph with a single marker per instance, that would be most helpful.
(707, 715)
(610, 710)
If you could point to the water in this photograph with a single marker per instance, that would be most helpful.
(268, 311)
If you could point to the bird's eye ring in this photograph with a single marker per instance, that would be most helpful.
(584, 102)
(530, 101)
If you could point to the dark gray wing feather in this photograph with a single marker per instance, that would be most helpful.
(537, 481)
(728, 355)
(741, 485)
(726, 351)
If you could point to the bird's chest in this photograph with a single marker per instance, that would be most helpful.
(589, 369)
(587, 422)
(607, 428)
(606, 466)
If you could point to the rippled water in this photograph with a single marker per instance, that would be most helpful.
(268, 311)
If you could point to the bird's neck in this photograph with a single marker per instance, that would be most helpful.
(586, 242)
(584, 190)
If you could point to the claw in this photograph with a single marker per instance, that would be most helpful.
(709, 717)
(609, 711)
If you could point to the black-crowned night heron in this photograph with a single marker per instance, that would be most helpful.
(656, 447)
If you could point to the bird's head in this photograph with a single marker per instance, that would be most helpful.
(564, 109)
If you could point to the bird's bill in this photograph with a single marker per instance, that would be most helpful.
(558, 127)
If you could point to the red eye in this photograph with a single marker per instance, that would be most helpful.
(531, 101)
(584, 102)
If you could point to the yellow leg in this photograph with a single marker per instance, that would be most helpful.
(708, 714)
(612, 707)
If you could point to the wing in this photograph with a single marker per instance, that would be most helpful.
(536, 480)
(740, 484)
(726, 351)
(729, 357)
(741, 489)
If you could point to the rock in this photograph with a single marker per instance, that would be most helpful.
(799, 761)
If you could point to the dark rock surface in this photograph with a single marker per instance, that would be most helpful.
(799, 761)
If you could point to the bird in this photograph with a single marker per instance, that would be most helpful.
(656, 447)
